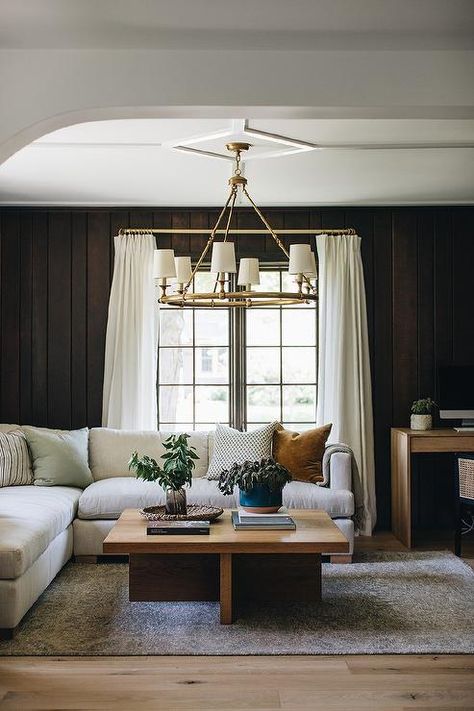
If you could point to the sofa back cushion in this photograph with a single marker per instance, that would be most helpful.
(110, 450)
(60, 457)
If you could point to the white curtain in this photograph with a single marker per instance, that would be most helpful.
(344, 385)
(129, 400)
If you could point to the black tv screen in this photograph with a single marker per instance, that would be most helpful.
(456, 387)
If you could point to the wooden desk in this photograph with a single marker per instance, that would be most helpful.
(406, 442)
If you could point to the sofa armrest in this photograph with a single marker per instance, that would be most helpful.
(340, 471)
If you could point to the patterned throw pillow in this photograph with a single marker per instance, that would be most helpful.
(233, 446)
(15, 464)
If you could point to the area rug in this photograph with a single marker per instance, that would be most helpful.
(391, 603)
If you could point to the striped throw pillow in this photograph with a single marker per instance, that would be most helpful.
(15, 463)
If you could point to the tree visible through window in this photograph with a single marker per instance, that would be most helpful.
(277, 350)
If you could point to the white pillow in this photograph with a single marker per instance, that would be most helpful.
(15, 462)
(231, 446)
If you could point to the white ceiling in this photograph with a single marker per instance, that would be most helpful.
(123, 163)
(225, 24)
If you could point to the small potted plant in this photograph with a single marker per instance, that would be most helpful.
(177, 471)
(421, 418)
(260, 484)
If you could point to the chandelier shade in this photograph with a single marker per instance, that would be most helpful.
(223, 258)
(249, 272)
(163, 264)
(183, 269)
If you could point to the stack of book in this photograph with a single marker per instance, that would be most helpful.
(244, 521)
(177, 528)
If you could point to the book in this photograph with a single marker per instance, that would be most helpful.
(178, 528)
(283, 511)
(258, 523)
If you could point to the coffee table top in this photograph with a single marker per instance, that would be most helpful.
(315, 533)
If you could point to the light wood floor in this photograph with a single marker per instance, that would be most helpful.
(350, 683)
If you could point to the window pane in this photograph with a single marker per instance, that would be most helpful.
(263, 327)
(263, 365)
(263, 403)
(176, 404)
(298, 426)
(299, 403)
(212, 403)
(212, 327)
(299, 327)
(204, 282)
(269, 281)
(212, 365)
(176, 427)
(176, 366)
(176, 327)
(299, 365)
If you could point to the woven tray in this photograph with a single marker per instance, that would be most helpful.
(194, 513)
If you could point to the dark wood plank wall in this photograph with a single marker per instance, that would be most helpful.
(56, 267)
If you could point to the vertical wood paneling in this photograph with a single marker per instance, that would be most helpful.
(404, 314)
(79, 319)
(56, 267)
(98, 286)
(381, 365)
(59, 320)
(26, 305)
(10, 341)
(39, 365)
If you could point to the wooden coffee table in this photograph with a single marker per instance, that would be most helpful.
(227, 565)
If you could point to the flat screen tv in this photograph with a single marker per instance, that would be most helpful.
(456, 394)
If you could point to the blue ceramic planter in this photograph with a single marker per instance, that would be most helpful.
(260, 499)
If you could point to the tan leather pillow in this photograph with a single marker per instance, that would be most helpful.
(301, 454)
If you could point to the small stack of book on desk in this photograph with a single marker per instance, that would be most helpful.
(244, 521)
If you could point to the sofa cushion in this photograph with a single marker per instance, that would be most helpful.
(15, 463)
(60, 457)
(30, 518)
(303, 495)
(110, 450)
(107, 498)
(301, 453)
(230, 446)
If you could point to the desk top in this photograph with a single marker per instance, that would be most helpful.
(438, 432)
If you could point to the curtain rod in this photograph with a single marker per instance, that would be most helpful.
(194, 231)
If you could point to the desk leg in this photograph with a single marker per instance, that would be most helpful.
(401, 487)
(226, 588)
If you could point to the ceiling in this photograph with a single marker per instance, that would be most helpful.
(223, 24)
(130, 162)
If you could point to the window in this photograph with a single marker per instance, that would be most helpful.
(276, 349)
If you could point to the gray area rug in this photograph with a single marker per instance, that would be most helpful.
(383, 603)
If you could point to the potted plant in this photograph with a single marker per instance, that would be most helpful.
(421, 418)
(260, 484)
(177, 471)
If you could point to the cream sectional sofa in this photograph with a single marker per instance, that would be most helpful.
(42, 527)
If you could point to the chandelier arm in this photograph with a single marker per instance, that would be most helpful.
(273, 234)
(209, 243)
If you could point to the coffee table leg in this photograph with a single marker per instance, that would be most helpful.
(226, 588)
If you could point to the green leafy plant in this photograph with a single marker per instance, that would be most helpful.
(423, 407)
(178, 464)
(249, 474)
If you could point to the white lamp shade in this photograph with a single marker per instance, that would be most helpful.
(312, 273)
(300, 259)
(223, 257)
(183, 269)
(249, 271)
(163, 264)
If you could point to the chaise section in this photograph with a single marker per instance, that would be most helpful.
(35, 543)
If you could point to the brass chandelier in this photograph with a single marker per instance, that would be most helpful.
(177, 271)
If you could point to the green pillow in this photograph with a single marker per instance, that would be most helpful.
(60, 457)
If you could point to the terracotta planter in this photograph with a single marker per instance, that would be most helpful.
(421, 422)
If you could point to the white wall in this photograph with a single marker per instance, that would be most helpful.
(42, 90)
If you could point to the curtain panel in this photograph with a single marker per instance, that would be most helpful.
(344, 383)
(129, 396)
